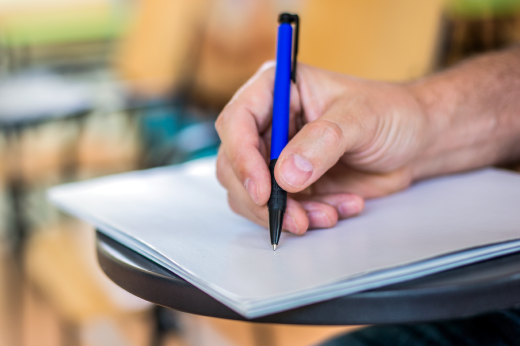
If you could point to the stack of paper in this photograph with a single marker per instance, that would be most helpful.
(179, 217)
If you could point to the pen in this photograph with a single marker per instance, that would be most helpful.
(280, 126)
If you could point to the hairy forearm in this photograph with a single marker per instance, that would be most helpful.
(473, 113)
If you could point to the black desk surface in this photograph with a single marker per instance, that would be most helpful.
(466, 291)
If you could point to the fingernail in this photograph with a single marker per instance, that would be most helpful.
(349, 208)
(252, 189)
(318, 219)
(289, 224)
(296, 170)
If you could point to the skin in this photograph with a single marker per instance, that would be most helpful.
(353, 139)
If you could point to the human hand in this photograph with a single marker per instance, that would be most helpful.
(350, 139)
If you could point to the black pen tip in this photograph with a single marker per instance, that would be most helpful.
(274, 247)
(275, 225)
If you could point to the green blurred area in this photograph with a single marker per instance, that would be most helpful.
(63, 26)
(478, 9)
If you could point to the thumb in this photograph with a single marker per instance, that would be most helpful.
(314, 149)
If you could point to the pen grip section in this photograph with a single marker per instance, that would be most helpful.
(278, 199)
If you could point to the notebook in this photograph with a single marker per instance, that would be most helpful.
(178, 217)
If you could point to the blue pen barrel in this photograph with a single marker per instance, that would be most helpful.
(282, 90)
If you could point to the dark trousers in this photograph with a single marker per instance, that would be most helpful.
(494, 329)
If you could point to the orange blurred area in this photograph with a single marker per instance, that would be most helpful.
(219, 44)
(96, 87)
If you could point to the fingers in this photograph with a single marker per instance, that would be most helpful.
(239, 208)
(319, 145)
(303, 211)
(238, 191)
(293, 213)
(316, 148)
(244, 128)
(295, 219)
(320, 215)
(306, 212)
(346, 204)
(241, 126)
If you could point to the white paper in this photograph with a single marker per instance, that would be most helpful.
(178, 216)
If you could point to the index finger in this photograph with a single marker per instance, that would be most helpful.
(240, 126)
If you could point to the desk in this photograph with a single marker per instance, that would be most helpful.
(461, 292)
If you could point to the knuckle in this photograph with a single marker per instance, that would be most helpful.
(261, 213)
(220, 170)
(327, 131)
(402, 180)
(233, 205)
(269, 64)
(219, 123)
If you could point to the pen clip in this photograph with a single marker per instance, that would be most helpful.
(292, 18)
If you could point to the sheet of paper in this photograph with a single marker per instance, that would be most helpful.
(178, 216)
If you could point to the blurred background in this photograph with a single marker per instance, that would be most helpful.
(96, 87)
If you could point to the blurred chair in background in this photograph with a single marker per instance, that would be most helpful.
(60, 34)
(55, 86)
(91, 309)
(211, 47)
(384, 40)
(201, 49)
(28, 100)
(474, 27)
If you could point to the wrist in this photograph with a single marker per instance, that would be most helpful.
(434, 125)
(471, 116)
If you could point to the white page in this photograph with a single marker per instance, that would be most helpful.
(178, 216)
